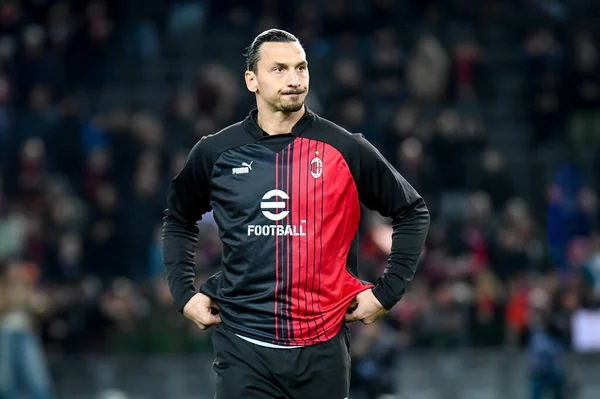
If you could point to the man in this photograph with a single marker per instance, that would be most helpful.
(23, 366)
(285, 188)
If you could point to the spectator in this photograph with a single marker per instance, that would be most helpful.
(22, 360)
(427, 70)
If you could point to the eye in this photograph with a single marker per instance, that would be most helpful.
(302, 68)
(277, 69)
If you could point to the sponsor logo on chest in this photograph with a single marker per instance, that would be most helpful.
(273, 207)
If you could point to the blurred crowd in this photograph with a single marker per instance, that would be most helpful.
(83, 188)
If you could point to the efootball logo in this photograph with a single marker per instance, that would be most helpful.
(265, 205)
(273, 207)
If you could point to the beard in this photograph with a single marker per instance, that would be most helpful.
(283, 103)
(288, 105)
(292, 106)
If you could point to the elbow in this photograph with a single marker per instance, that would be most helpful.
(419, 212)
(416, 215)
(170, 223)
(173, 218)
(176, 227)
(423, 211)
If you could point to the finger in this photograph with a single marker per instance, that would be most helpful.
(353, 304)
(215, 318)
(349, 317)
(368, 320)
(372, 319)
(210, 319)
(201, 325)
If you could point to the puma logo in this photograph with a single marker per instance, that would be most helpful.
(245, 168)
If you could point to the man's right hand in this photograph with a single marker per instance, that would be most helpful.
(202, 310)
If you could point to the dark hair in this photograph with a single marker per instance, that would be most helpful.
(271, 35)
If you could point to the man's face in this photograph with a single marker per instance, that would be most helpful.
(281, 78)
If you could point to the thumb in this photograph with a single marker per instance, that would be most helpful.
(351, 317)
(353, 314)
(213, 316)
(200, 325)
(353, 305)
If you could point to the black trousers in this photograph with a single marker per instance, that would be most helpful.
(249, 371)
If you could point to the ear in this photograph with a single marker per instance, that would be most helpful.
(251, 82)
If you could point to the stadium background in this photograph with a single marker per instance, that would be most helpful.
(490, 108)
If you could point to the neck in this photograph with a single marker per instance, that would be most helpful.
(278, 122)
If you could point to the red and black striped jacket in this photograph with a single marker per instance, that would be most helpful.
(288, 210)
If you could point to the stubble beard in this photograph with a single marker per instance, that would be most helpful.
(290, 106)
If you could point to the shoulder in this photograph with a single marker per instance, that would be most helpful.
(338, 137)
(212, 145)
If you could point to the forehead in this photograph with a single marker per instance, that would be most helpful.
(284, 53)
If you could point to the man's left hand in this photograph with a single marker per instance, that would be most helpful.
(366, 308)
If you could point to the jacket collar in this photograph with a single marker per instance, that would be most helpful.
(252, 127)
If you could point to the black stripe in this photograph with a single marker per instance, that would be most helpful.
(276, 288)
(298, 222)
(315, 232)
(284, 254)
(306, 180)
(297, 195)
(288, 276)
(280, 255)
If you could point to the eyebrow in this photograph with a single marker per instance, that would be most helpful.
(283, 64)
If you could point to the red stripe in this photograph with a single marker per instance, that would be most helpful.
(311, 235)
(276, 253)
(301, 250)
(308, 286)
(303, 239)
(291, 263)
(297, 261)
(319, 197)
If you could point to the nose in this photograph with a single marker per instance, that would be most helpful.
(294, 80)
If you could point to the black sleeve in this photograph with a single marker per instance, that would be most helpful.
(381, 188)
(188, 199)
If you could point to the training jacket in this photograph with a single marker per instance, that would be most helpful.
(288, 210)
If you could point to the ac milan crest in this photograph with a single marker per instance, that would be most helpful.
(316, 167)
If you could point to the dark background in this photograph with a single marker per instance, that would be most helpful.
(491, 109)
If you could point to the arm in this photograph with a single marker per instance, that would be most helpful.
(188, 199)
(383, 189)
